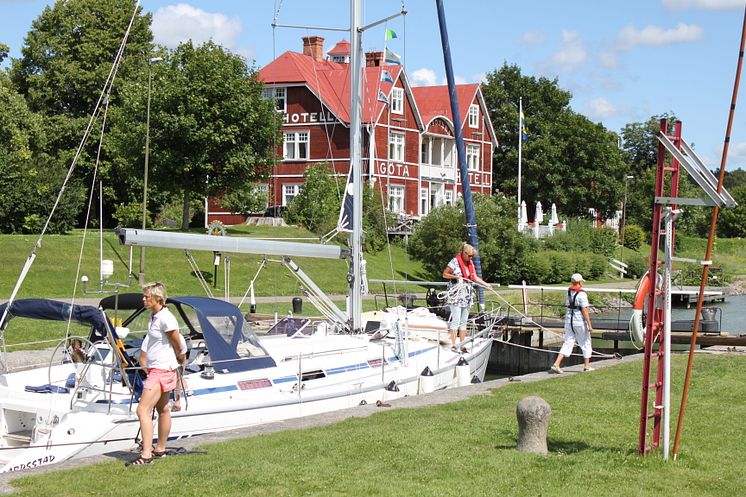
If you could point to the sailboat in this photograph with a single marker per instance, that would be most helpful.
(83, 401)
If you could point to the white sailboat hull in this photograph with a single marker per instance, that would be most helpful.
(47, 428)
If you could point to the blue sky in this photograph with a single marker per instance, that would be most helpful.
(622, 61)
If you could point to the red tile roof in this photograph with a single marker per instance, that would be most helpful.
(434, 101)
(330, 82)
(341, 48)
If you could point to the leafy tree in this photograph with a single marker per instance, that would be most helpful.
(246, 199)
(565, 153)
(4, 49)
(316, 207)
(210, 129)
(640, 143)
(641, 153)
(504, 253)
(318, 204)
(734, 179)
(65, 61)
(68, 53)
(732, 222)
(28, 188)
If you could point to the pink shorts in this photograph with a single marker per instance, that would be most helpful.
(162, 379)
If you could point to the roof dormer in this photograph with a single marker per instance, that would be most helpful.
(340, 52)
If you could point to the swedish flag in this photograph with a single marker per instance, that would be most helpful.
(524, 134)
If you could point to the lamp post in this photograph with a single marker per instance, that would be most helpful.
(141, 275)
(624, 213)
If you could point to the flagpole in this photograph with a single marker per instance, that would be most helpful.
(520, 152)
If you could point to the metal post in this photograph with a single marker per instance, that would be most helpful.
(141, 275)
(624, 220)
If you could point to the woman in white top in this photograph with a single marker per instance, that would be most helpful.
(160, 356)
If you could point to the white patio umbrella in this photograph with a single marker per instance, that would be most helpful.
(539, 216)
(523, 221)
(553, 219)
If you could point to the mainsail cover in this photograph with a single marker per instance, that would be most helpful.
(54, 310)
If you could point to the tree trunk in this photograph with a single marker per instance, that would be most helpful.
(185, 211)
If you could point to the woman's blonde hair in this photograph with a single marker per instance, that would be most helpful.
(156, 290)
(467, 249)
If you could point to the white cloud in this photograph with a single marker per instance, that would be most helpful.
(650, 35)
(736, 155)
(480, 77)
(571, 52)
(703, 4)
(608, 60)
(531, 38)
(599, 109)
(174, 24)
(424, 77)
(459, 80)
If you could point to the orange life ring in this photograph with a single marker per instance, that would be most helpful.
(636, 326)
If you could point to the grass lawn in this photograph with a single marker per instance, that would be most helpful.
(466, 448)
(54, 271)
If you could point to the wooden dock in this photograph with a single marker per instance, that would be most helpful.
(687, 295)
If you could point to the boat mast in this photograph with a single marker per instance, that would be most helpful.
(471, 219)
(356, 35)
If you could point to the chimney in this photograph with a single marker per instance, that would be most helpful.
(373, 59)
(313, 46)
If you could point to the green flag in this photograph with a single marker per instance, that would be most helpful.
(390, 35)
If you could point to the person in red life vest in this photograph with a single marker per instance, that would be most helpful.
(460, 273)
(578, 326)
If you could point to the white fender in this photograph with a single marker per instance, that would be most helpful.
(463, 373)
(636, 326)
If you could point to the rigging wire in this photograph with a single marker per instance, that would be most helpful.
(102, 99)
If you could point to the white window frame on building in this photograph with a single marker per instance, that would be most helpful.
(263, 188)
(472, 156)
(425, 153)
(474, 116)
(289, 192)
(448, 197)
(424, 205)
(396, 198)
(279, 94)
(436, 195)
(397, 100)
(396, 147)
(297, 145)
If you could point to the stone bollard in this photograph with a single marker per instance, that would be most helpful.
(533, 421)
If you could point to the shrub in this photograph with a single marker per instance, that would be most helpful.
(583, 264)
(598, 266)
(603, 241)
(169, 214)
(563, 265)
(245, 200)
(633, 237)
(538, 268)
(503, 251)
(636, 266)
(129, 215)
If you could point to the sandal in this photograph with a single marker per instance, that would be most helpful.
(140, 461)
(157, 454)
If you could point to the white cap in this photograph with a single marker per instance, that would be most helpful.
(576, 278)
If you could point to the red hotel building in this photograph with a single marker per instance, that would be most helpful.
(409, 148)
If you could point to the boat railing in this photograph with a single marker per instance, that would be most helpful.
(546, 315)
